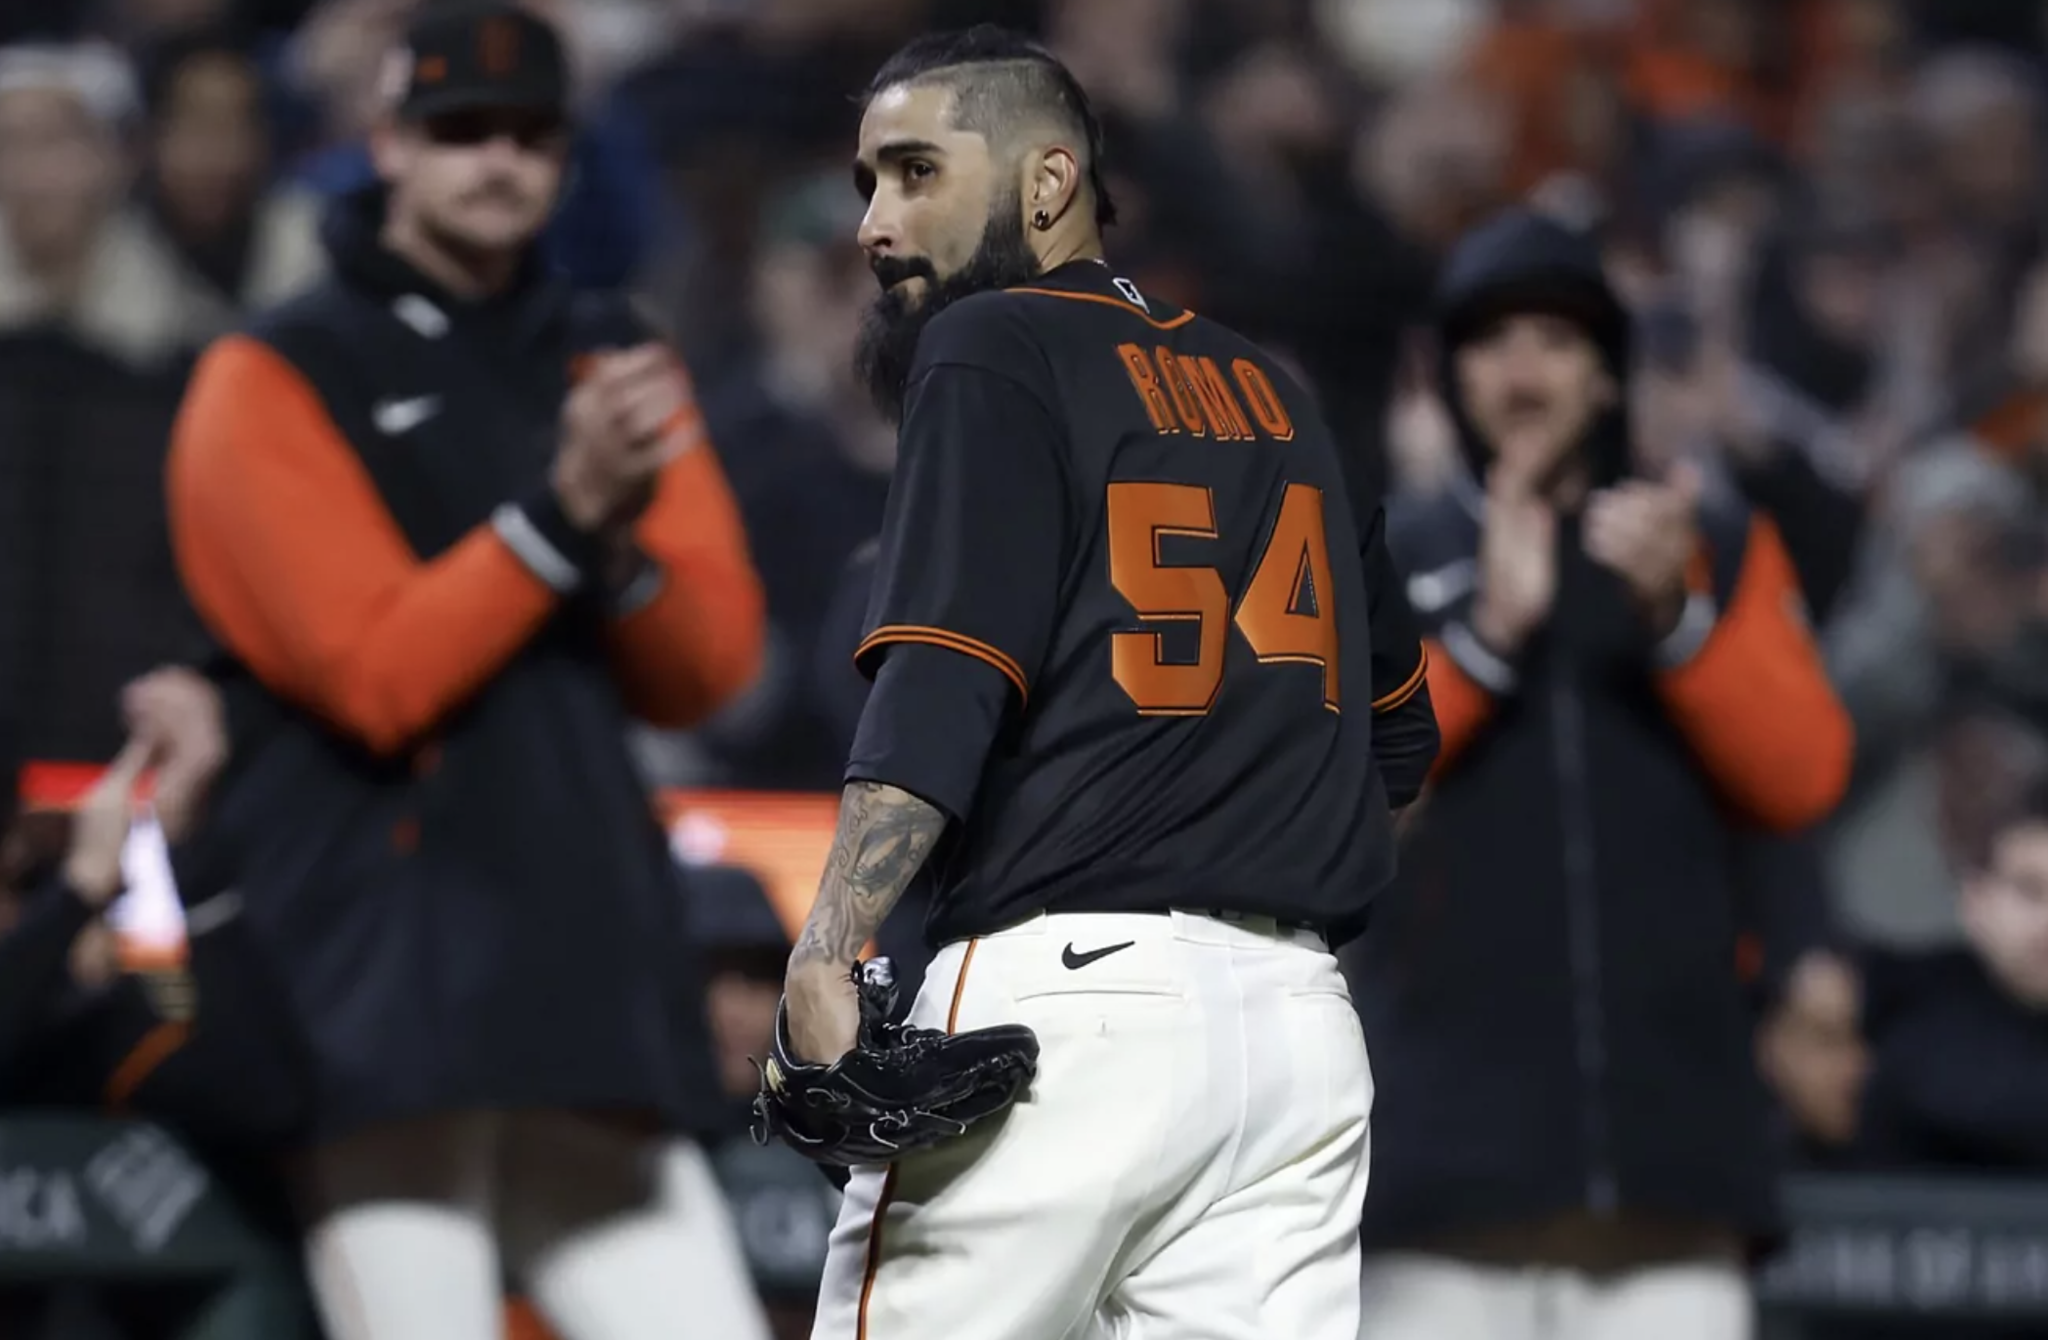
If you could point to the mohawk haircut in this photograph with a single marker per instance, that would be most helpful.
(1002, 81)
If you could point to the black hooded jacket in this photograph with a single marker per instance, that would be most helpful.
(1550, 991)
(443, 843)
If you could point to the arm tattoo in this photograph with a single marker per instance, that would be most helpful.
(884, 836)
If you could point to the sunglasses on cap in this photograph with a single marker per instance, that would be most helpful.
(531, 131)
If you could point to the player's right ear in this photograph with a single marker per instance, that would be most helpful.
(1052, 179)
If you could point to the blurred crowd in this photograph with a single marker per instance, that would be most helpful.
(1827, 216)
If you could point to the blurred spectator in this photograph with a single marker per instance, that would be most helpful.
(761, 92)
(1816, 326)
(1565, 1090)
(1960, 1038)
(1393, 42)
(1699, 402)
(1812, 1053)
(1944, 611)
(453, 524)
(1377, 207)
(336, 61)
(96, 328)
(1982, 115)
(1570, 131)
(604, 224)
(72, 257)
(1752, 59)
(206, 184)
(811, 472)
(202, 1049)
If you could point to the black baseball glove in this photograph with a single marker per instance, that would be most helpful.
(899, 1090)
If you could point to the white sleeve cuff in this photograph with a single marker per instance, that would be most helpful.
(214, 913)
(639, 593)
(535, 550)
(1695, 626)
(1471, 655)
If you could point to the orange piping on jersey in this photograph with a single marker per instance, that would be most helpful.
(873, 1265)
(142, 1060)
(1415, 681)
(960, 642)
(1117, 303)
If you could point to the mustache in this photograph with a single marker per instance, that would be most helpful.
(893, 270)
(496, 189)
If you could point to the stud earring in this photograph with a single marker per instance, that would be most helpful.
(1041, 220)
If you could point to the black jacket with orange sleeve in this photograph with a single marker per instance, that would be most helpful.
(1551, 990)
(1564, 935)
(439, 831)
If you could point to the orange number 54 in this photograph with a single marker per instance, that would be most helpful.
(1286, 612)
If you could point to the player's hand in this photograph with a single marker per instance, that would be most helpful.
(1647, 532)
(99, 829)
(176, 714)
(821, 1005)
(615, 435)
(1517, 559)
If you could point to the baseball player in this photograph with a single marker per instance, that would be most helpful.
(1144, 695)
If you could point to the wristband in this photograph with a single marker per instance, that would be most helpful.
(636, 588)
(1695, 625)
(540, 534)
(1487, 668)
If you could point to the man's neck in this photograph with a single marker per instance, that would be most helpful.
(1060, 248)
(466, 277)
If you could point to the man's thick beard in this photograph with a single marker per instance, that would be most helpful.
(890, 328)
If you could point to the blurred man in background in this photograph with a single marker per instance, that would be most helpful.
(1569, 1122)
(1959, 1036)
(207, 176)
(74, 255)
(456, 525)
(95, 334)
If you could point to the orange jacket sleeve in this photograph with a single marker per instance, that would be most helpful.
(1755, 703)
(290, 556)
(698, 642)
(1462, 705)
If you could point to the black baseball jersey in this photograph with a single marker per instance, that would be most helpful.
(1125, 629)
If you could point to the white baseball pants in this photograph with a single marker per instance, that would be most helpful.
(1190, 1161)
(1413, 1297)
(613, 1235)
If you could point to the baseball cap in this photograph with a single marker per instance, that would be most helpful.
(473, 57)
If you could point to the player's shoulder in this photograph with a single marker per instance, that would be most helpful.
(1232, 347)
(994, 329)
(324, 333)
(321, 311)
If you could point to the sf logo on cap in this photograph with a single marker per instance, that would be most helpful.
(498, 46)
